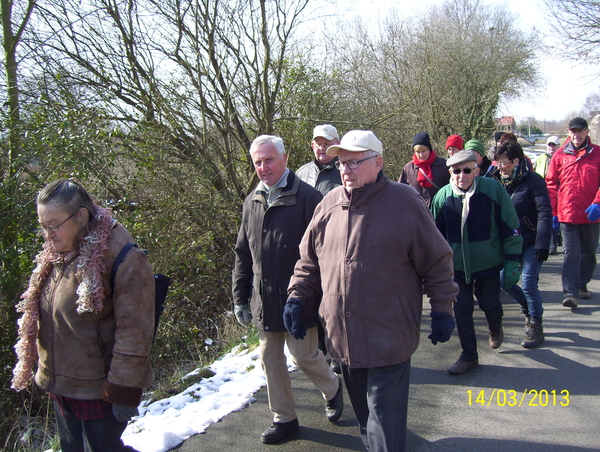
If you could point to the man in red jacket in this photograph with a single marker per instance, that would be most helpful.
(573, 180)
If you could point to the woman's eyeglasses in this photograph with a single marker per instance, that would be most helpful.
(55, 228)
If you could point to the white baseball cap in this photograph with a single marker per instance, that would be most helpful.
(326, 131)
(357, 141)
(553, 139)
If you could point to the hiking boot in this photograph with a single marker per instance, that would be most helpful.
(570, 302)
(496, 338)
(335, 406)
(552, 251)
(462, 366)
(583, 293)
(527, 324)
(279, 430)
(535, 336)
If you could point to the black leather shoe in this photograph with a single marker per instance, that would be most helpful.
(335, 406)
(335, 366)
(279, 430)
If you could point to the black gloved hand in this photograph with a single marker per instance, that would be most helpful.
(291, 318)
(541, 255)
(124, 413)
(442, 326)
(243, 314)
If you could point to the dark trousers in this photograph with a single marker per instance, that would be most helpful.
(580, 242)
(96, 435)
(487, 291)
(379, 397)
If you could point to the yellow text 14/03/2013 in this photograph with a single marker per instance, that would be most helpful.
(511, 398)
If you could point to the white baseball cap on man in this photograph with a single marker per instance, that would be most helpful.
(357, 141)
(553, 139)
(326, 131)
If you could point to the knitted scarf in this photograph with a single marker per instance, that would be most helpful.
(425, 165)
(90, 290)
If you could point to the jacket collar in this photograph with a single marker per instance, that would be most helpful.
(361, 196)
(327, 166)
(287, 197)
(569, 148)
(522, 170)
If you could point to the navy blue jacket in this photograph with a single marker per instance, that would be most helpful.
(529, 194)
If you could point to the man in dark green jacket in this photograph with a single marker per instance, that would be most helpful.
(478, 219)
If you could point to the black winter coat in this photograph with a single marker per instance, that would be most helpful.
(529, 194)
(267, 250)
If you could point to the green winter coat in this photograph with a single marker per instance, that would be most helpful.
(491, 229)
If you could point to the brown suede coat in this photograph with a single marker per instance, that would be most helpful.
(371, 255)
(91, 356)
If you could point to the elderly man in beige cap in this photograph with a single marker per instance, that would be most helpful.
(321, 172)
(368, 248)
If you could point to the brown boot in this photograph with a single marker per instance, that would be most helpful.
(535, 336)
(496, 338)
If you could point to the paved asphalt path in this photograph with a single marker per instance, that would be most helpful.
(444, 413)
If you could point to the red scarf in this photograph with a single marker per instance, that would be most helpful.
(425, 165)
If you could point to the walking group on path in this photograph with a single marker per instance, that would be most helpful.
(331, 260)
(357, 261)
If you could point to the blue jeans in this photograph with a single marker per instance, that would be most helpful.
(580, 242)
(529, 296)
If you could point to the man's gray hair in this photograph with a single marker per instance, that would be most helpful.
(277, 142)
(371, 153)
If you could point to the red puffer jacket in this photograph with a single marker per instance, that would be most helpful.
(574, 182)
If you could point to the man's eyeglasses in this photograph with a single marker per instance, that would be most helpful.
(504, 163)
(55, 228)
(464, 170)
(352, 164)
(552, 144)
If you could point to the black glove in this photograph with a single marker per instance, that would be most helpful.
(541, 255)
(243, 314)
(442, 326)
(291, 318)
(124, 413)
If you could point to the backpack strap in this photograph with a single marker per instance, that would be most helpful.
(427, 177)
(117, 262)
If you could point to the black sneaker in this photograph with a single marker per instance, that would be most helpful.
(335, 406)
(279, 430)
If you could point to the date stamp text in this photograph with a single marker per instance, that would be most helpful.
(511, 398)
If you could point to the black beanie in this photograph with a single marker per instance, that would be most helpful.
(497, 136)
(422, 138)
